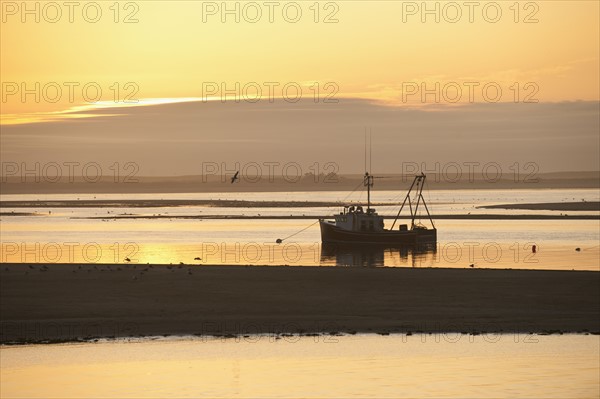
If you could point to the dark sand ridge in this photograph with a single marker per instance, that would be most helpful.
(550, 206)
(313, 217)
(171, 203)
(20, 214)
(73, 302)
(571, 206)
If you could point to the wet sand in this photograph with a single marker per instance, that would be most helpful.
(56, 303)
(248, 205)
(551, 206)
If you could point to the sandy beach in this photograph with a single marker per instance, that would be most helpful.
(57, 303)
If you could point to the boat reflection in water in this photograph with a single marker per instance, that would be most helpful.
(374, 255)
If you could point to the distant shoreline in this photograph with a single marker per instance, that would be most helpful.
(70, 303)
(216, 184)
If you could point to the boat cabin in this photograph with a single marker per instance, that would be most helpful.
(354, 218)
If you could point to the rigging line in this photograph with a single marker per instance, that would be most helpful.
(360, 195)
(585, 249)
(398, 197)
(427, 191)
(352, 192)
(417, 191)
(280, 240)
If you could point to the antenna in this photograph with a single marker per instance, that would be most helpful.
(370, 151)
(369, 156)
(365, 148)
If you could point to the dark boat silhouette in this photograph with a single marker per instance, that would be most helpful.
(355, 225)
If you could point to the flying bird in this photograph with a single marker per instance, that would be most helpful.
(235, 177)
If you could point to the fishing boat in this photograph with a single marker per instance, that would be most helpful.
(356, 225)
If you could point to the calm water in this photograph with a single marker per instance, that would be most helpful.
(451, 365)
(58, 236)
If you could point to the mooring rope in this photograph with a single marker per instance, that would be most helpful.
(280, 240)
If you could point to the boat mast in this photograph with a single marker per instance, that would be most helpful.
(419, 181)
(406, 199)
(368, 179)
(419, 196)
(421, 199)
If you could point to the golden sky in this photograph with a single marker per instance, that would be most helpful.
(373, 51)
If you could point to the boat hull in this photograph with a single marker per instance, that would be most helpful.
(330, 233)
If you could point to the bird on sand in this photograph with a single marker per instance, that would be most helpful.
(127, 260)
(235, 177)
(472, 265)
(197, 258)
